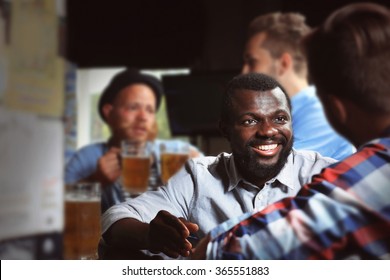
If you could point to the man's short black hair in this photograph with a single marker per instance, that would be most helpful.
(250, 81)
(124, 79)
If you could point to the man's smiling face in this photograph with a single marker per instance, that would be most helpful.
(260, 133)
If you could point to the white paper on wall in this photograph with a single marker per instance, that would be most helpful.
(31, 174)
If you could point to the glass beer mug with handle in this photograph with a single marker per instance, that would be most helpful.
(136, 160)
(173, 158)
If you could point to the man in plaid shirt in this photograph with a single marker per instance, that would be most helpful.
(345, 211)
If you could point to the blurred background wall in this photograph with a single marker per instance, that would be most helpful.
(56, 56)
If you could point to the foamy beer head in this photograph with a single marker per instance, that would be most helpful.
(173, 158)
(82, 221)
(136, 161)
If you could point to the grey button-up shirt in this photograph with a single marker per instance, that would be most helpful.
(208, 191)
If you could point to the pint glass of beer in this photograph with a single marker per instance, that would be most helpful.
(173, 157)
(136, 161)
(82, 221)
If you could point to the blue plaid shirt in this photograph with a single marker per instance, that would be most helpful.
(343, 213)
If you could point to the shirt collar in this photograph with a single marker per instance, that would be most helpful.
(284, 177)
(234, 176)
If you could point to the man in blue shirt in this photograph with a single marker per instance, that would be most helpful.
(273, 48)
(128, 106)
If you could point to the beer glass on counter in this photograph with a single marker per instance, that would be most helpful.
(136, 162)
(173, 158)
(82, 221)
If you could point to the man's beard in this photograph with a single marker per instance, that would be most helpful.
(249, 165)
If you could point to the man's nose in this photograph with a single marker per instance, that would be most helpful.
(143, 114)
(266, 129)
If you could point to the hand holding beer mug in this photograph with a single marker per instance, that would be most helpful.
(173, 158)
(82, 221)
(136, 161)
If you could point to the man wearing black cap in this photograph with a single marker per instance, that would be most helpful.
(128, 106)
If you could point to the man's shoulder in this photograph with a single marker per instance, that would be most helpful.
(91, 150)
(210, 163)
(307, 97)
(311, 157)
(303, 164)
(211, 160)
(99, 146)
(210, 168)
(83, 162)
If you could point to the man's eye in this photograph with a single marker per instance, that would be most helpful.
(150, 110)
(281, 119)
(249, 122)
(130, 107)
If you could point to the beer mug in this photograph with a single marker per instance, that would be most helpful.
(136, 161)
(82, 221)
(173, 157)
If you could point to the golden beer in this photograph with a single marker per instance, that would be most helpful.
(135, 174)
(82, 228)
(170, 164)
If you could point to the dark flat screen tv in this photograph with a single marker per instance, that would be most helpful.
(193, 102)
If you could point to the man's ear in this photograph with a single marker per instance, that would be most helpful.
(224, 130)
(106, 110)
(285, 63)
(335, 108)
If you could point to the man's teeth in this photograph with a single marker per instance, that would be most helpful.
(267, 147)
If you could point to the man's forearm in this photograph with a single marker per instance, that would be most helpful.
(128, 233)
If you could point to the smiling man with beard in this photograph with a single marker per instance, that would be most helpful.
(257, 122)
(263, 168)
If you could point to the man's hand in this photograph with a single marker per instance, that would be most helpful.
(168, 234)
(199, 253)
(108, 167)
